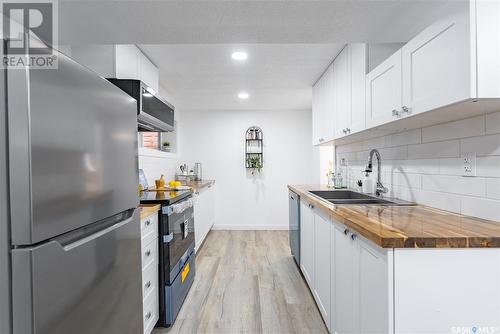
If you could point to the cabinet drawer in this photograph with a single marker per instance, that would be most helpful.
(149, 226)
(150, 311)
(149, 253)
(149, 279)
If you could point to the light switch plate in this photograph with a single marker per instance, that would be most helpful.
(469, 164)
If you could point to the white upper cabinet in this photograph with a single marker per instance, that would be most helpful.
(350, 69)
(342, 92)
(323, 114)
(383, 91)
(437, 65)
(131, 63)
(359, 67)
(127, 61)
(150, 74)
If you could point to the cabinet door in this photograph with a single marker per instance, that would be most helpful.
(343, 281)
(149, 73)
(316, 113)
(437, 65)
(374, 283)
(358, 60)
(383, 89)
(323, 108)
(127, 61)
(322, 259)
(307, 243)
(342, 87)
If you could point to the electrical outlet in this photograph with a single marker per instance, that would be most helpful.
(469, 164)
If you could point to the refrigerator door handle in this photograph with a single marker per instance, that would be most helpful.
(94, 231)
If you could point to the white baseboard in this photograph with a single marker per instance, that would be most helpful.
(251, 227)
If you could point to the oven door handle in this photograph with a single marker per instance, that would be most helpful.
(168, 238)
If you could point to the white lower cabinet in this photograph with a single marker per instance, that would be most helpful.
(307, 242)
(362, 288)
(149, 249)
(342, 284)
(204, 214)
(322, 263)
(361, 284)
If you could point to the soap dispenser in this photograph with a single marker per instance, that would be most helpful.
(367, 184)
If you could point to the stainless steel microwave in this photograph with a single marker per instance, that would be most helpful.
(153, 112)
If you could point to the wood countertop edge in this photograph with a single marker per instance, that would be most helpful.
(391, 237)
(148, 209)
(199, 185)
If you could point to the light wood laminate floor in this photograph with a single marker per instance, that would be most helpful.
(247, 282)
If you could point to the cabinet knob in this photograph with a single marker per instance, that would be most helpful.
(148, 284)
(354, 236)
(405, 110)
(346, 231)
(395, 112)
(148, 253)
(148, 223)
(148, 315)
(321, 140)
(344, 131)
(348, 130)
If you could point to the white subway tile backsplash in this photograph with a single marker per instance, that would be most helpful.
(394, 153)
(424, 165)
(439, 200)
(450, 166)
(484, 145)
(488, 166)
(493, 123)
(443, 149)
(471, 186)
(421, 166)
(404, 138)
(481, 207)
(469, 127)
(493, 188)
(407, 180)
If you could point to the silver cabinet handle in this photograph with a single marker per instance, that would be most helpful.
(148, 252)
(348, 130)
(344, 131)
(148, 223)
(354, 236)
(148, 284)
(291, 197)
(148, 315)
(405, 110)
(395, 112)
(346, 231)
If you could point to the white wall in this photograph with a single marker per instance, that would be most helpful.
(424, 165)
(242, 201)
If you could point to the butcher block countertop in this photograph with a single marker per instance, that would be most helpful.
(408, 226)
(148, 209)
(198, 185)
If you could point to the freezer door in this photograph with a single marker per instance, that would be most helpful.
(86, 285)
(72, 150)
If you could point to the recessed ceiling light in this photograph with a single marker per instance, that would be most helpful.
(243, 95)
(239, 55)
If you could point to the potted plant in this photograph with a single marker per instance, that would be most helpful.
(255, 164)
(165, 146)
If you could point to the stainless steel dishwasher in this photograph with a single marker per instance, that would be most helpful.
(294, 222)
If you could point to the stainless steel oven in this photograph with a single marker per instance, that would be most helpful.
(176, 250)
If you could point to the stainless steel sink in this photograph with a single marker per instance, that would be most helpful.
(342, 197)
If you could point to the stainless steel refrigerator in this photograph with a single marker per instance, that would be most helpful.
(69, 149)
